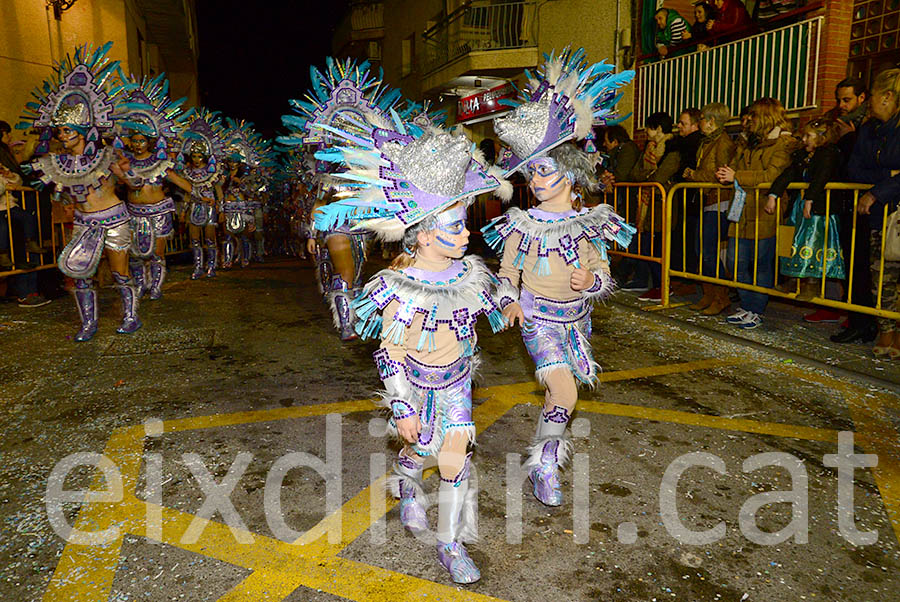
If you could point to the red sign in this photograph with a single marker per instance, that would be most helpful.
(484, 103)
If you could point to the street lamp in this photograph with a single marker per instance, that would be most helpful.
(60, 6)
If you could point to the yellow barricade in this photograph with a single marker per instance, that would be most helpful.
(678, 198)
(29, 201)
(646, 206)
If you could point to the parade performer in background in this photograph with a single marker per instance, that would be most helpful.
(554, 262)
(415, 189)
(201, 156)
(74, 107)
(246, 153)
(340, 96)
(150, 120)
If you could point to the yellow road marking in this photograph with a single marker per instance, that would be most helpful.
(776, 429)
(219, 420)
(87, 571)
(873, 433)
(279, 568)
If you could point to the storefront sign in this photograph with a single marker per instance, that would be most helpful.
(484, 103)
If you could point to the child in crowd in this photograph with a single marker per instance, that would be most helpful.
(817, 162)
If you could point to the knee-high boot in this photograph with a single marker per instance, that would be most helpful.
(245, 250)
(211, 256)
(129, 292)
(406, 483)
(158, 272)
(456, 526)
(138, 273)
(86, 300)
(548, 453)
(197, 250)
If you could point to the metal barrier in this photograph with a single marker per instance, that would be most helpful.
(29, 200)
(638, 202)
(679, 195)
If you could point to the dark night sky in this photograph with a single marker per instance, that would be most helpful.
(255, 54)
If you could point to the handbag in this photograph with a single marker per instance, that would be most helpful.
(892, 236)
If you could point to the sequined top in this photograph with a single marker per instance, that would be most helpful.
(428, 311)
(541, 249)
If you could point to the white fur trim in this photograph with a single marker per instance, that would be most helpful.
(584, 118)
(607, 287)
(536, 449)
(505, 191)
(506, 290)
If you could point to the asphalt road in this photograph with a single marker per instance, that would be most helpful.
(229, 376)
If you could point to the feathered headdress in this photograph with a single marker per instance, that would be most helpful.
(204, 134)
(343, 89)
(244, 144)
(564, 100)
(396, 179)
(74, 96)
(418, 118)
(145, 107)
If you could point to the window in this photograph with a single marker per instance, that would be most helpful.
(408, 55)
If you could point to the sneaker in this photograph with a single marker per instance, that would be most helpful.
(33, 300)
(738, 317)
(654, 294)
(823, 316)
(751, 321)
(634, 287)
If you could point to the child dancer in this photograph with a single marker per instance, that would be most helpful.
(424, 308)
(556, 252)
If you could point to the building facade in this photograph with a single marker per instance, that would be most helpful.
(149, 37)
(455, 53)
(459, 54)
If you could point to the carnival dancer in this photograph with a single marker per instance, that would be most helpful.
(246, 156)
(423, 308)
(202, 153)
(554, 262)
(150, 120)
(74, 107)
(237, 215)
(340, 95)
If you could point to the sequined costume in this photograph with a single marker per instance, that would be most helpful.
(341, 96)
(145, 108)
(76, 99)
(203, 136)
(424, 313)
(542, 249)
(247, 153)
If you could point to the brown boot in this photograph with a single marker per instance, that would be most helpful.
(707, 298)
(719, 304)
(883, 343)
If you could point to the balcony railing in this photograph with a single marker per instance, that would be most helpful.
(480, 26)
(367, 15)
(782, 63)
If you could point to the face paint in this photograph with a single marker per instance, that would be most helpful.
(451, 234)
(546, 181)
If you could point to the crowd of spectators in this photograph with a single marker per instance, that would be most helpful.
(22, 219)
(715, 22)
(856, 141)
